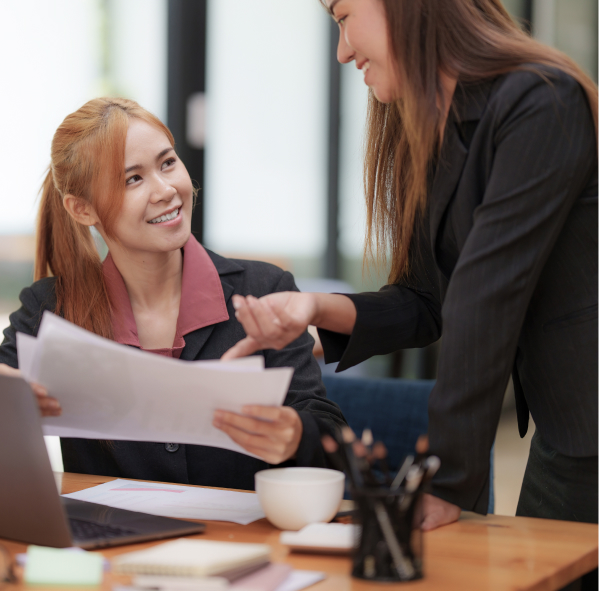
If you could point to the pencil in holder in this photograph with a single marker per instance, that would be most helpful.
(390, 543)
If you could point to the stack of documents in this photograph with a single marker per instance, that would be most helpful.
(194, 558)
(191, 564)
(110, 391)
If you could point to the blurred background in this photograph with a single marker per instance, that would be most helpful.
(267, 122)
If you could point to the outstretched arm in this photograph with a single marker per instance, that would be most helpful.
(275, 320)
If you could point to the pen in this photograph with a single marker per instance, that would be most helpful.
(403, 471)
(404, 568)
(379, 453)
(348, 437)
(367, 439)
(413, 481)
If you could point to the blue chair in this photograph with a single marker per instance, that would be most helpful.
(394, 409)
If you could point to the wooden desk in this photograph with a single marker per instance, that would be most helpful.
(476, 553)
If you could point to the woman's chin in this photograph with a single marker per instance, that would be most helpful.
(384, 96)
(177, 241)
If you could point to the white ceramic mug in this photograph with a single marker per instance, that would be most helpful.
(293, 497)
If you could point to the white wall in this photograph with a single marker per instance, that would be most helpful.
(137, 44)
(49, 67)
(265, 185)
(52, 64)
(352, 209)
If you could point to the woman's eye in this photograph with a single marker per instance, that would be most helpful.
(132, 179)
(168, 162)
(341, 21)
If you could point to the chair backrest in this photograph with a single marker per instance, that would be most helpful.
(396, 410)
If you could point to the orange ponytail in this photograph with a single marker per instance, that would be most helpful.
(66, 249)
(87, 161)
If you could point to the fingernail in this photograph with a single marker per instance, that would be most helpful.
(55, 404)
(218, 415)
(236, 303)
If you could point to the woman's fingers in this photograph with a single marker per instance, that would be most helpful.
(272, 433)
(245, 316)
(38, 389)
(246, 347)
(48, 406)
(248, 424)
(438, 512)
(269, 329)
(266, 412)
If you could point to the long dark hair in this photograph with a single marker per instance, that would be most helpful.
(467, 39)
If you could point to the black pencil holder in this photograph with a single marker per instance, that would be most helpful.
(390, 541)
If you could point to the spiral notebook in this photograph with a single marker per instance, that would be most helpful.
(195, 558)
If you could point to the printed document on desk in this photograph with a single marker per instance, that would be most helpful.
(175, 501)
(110, 391)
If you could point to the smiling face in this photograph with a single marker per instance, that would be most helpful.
(156, 212)
(364, 38)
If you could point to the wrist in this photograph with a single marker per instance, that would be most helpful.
(317, 308)
(335, 312)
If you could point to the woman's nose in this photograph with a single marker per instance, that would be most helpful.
(163, 191)
(345, 52)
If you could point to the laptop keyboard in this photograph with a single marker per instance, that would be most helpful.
(83, 530)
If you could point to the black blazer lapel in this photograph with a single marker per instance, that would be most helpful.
(196, 340)
(469, 103)
(449, 170)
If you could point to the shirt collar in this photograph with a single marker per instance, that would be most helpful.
(202, 299)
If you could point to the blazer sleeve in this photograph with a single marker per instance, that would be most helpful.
(307, 394)
(544, 154)
(34, 300)
(399, 316)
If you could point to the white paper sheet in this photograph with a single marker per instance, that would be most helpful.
(26, 350)
(299, 579)
(319, 535)
(111, 391)
(174, 501)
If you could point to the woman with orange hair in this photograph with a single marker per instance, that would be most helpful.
(481, 183)
(114, 167)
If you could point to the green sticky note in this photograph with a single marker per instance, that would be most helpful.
(46, 565)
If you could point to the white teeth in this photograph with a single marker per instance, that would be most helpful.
(166, 217)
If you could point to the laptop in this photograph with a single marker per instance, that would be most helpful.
(32, 511)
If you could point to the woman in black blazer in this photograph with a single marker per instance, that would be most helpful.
(114, 167)
(481, 182)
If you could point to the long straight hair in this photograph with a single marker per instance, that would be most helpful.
(87, 161)
(471, 40)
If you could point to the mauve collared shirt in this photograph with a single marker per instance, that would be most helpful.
(202, 300)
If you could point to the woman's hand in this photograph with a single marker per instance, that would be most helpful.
(48, 406)
(276, 320)
(438, 512)
(272, 321)
(272, 433)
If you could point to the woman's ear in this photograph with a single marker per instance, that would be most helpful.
(80, 210)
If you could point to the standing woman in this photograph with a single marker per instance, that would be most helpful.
(481, 183)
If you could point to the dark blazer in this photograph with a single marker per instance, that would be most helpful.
(199, 465)
(505, 267)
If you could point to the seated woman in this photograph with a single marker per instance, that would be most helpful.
(114, 167)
